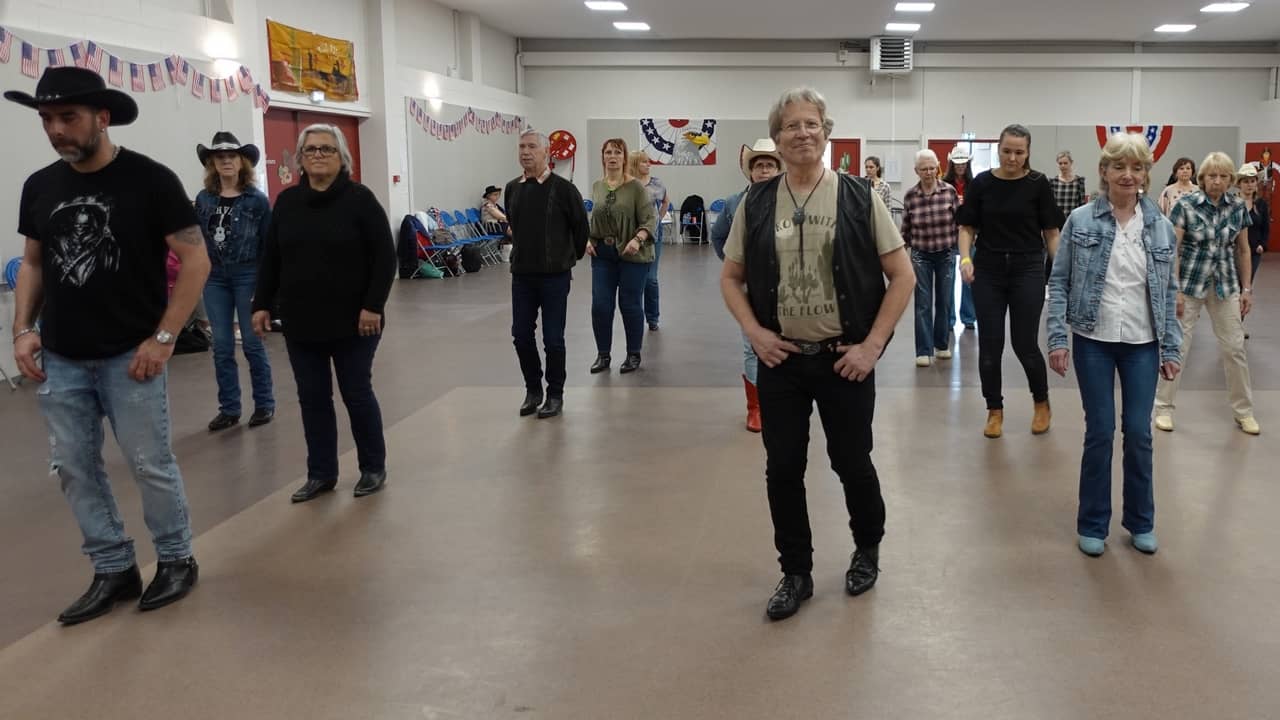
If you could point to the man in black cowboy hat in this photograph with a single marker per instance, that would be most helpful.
(98, 225)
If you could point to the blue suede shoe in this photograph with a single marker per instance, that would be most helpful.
(1090, 546)
(1145, 542)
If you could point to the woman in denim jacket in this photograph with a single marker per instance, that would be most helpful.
(1113, 284)
(234, 215)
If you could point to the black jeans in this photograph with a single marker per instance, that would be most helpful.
(550, 293)
(352, 362)
(1011, 283)
(787, 395)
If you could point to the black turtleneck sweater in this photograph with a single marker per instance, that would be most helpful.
(327, 256)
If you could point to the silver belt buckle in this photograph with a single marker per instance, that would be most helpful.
(809, 348)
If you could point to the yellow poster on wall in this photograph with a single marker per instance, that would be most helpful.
(303, 61)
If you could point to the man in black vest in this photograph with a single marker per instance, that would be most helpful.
(813, 249)
(548, 237)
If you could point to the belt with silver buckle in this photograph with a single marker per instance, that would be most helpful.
(830, 345)
(610, 240)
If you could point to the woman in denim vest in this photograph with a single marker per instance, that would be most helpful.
(1113, 284)
(234, 215)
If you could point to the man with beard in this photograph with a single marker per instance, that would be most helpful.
(99, 224)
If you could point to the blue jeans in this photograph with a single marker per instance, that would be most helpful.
(614, 280)
(352, 363)
(750, 363)
(651, 285)
(228, 296)
(1097, 364)
(935, 287)
(550, 294)
(74, 398)
(968, 315)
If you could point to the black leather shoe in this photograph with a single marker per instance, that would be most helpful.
(631, 364)
(553, 407)
(172, 582)
(312, 489)
(864, 568)
(222, 422)
(261, 417)
(531, 403)
(653, 326)
(601, 364)
(791, 591)
(370, 483)
(104, 592)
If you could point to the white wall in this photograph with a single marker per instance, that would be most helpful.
(424, 35)
(498, 59)
(452, 174)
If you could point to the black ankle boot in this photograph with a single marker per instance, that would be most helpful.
(791, 591)
(631, 364)
(864, 569)
(601, 364)
(104, 592)
(173, 580)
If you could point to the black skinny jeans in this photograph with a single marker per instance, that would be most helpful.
(1013, 284)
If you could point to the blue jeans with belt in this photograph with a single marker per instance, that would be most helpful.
(74, 398)
(614, 280)
(228, 297)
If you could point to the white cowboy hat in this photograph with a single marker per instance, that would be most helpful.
(1248, 170)
(958, 154)
(762, 147)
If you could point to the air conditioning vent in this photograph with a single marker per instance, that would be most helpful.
(890, 55)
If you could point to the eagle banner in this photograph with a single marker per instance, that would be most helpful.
(303, 61)
(678, 141)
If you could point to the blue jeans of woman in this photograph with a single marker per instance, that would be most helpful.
(74, 398)
(935, 288)
(1097, 364)
(651, 284)
(616, 282)
(352, 363)
(228, 297)
(968, 315)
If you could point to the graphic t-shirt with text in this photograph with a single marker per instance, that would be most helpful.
(220, 223)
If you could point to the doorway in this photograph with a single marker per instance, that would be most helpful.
(282, 126)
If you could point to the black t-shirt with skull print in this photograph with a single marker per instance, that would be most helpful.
(102, 237)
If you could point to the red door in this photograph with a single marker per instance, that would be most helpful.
(942, 148)
(281, 128)
(1267, 156)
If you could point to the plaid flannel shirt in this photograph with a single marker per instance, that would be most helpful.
(1068, 196)
(1208, 251)
(929, 221)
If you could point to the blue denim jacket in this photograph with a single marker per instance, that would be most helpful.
(1080, 271)
(250, 217)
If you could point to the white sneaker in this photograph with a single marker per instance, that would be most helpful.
(1249, 425)
(923, 361)
(944, 354)
(1164, 422)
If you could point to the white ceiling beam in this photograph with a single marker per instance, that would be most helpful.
(857, 60)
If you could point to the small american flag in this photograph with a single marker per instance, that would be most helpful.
(197, 84)
(232, 94)
(136, 81)
(78, 54)
(30, 61)
(245, 80)
(57, 57)
(6, 42)
(264, 100)
(93, 57)
(115, 71)
(215, 90)
(177, 69)
(157, 80)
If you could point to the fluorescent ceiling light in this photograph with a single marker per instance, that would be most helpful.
(1224, 7)
(605, 5)
(1174, 28)
(902, 27)
(914, 7)
(632, 26)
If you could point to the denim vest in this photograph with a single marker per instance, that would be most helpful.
(1080, 272)
(250, 217)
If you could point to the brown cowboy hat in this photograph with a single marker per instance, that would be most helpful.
(78, 86)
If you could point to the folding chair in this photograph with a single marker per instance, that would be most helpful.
(489, 244)
(439, 253)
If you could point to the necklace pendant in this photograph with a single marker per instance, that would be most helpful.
(797, 217)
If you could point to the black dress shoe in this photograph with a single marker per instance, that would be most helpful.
(791, 591)
(553, 407)
(531, 403)
(312, 489)
(261, 416)
(172, 582)
(370, 483)
(601, 364)
(222, 422)
(864, 568)
(102, 595)
(631, 364)
(653, 327)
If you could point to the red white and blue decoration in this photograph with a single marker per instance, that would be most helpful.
(137, 77)
(452, 131)
(676, 141)
(1158, 136)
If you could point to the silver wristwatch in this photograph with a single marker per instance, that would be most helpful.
(164, 337)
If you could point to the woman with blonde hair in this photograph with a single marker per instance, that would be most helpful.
(1113, 286)
(1212, 264)
(638, 168)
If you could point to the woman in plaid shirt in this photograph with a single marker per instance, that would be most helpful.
(1212, 265)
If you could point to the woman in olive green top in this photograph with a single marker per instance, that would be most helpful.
(621, 248)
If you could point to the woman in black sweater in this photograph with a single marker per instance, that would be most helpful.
(327, 264)
(1011, 213)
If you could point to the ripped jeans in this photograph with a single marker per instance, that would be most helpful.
(74, 398)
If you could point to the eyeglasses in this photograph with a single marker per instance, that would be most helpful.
(810, 126)
(319, 151)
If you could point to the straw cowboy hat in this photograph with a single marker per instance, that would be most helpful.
(763, 147)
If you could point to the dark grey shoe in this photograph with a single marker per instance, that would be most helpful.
(370, 483)
(791, 591)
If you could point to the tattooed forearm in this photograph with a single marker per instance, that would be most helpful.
(189, 236)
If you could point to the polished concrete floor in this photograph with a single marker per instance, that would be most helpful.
(614, 563)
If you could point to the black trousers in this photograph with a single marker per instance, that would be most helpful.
(787, 396)
(315, 364)
(1009, 284)
(550, 294)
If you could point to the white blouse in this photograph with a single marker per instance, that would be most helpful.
(1124, 314)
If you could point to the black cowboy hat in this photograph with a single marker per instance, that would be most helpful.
(78, 86)
(226, 142)
(490, 190)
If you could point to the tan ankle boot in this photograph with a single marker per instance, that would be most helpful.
(1040, 421)
(995, 424)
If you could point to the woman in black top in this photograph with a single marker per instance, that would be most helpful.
(1010, 212)
(1259, 214)
(327, 264)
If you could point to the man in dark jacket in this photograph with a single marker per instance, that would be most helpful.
(548, 237)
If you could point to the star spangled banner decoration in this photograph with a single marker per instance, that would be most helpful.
(678, 141)
(1158, 136)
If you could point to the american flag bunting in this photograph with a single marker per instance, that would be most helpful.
(136, 82)
(93, 57)
(115, 71)
(30, 60)
(78, 54)
(215, 90)
(6, 43)
(57, 58)
(157, 80)
(197, 84)
(230, 83)
(245, 79)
